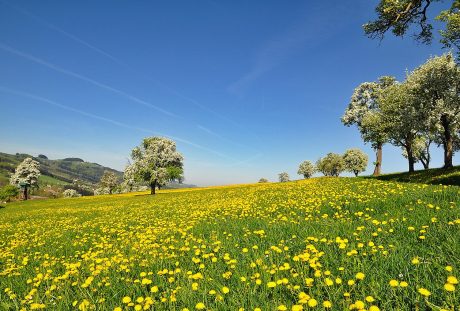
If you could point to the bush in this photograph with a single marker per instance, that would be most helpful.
(263, 180)
(8, 192)
(71, 193)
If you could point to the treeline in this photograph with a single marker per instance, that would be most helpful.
(422, 110)
(333, 164)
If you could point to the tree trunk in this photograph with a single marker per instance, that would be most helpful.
(25, 193)
(153, 185)
(410, 157)
(378, 162)
(448, 142)
(356, 173)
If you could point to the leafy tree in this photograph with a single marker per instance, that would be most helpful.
(401, 119)
(306, 169)
(7, 192)
(355, 161)
(283, 177)
(153, 160)
(362, 112)
(331, 165)
(435, 86)
(263, 180)
(421, 150)
(109, 180)
(399, 16)
(26, 176)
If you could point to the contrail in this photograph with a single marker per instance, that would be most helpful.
(84, 78)
(125, 65)
(111, 121)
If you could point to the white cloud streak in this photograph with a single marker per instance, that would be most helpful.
(111, 121)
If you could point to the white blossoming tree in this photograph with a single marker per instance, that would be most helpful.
(435, 87)
(283, 177)
(355, 161)
(154, 161)
(109, 180)
(306, 169)
(331, 165)
(362, 112)
(26, 176)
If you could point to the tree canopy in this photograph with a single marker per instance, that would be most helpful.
(398, 16)
(306, 169)
(355, 161)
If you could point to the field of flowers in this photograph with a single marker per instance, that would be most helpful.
(324, 244)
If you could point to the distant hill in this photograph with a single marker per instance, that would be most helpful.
(55, 172)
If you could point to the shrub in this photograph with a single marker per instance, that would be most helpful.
(8, 192)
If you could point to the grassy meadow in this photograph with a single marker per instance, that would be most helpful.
(323, 243)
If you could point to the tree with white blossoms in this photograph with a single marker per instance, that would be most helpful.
(306, 169)
(71, 193)
(435, 86)
(153, 160)
(283, 177)
(26, 175)
(331, 165)
(363, 105)
(108, 180)
(355, 161)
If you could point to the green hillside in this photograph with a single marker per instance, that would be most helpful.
(434, 176)
(55, 172)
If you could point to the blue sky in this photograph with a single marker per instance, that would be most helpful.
(248, 89)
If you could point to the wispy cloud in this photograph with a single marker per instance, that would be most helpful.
(121, 63)
(281, 47)
(69, 73)
(111, 121)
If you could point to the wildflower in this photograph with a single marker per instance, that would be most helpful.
(200, 306)
(360, 276)
(394, 283)
(424, 292)
(312, 303)
(327, 304)
(452, 280)
(126, 299)
(449, 287)
(271, 284)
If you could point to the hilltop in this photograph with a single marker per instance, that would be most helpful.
(56, 172)
(433, 176)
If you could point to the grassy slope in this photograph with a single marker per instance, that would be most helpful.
(434, 176)
(100, 247)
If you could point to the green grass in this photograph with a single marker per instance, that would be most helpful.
(92, 252)
(433, 176)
